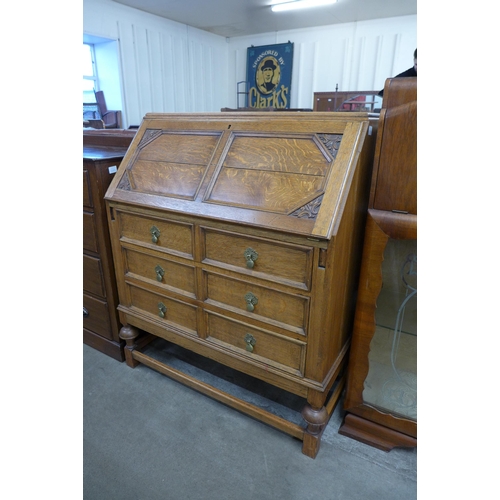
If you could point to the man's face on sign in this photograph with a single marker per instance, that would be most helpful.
(268, 74)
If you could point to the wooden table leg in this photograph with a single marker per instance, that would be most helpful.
(316, 419)
(129, 333)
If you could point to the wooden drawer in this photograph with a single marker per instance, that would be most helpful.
(87, 196)
(92, 276)
(176, 314)
(269, 348)
(290, 264)
(163, 272)
(171, 236)
(89, 233)
(96, 316)
(282, 309)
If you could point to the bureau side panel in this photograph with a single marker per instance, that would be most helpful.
(334, 297)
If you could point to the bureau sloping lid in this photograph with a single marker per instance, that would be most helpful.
(284, 171)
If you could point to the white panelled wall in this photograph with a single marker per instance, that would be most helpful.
(165, 66)
(354, 56)
(170, 67)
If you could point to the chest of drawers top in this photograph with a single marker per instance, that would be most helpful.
(275, 171)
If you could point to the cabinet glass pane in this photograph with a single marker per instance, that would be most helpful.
(391, 383)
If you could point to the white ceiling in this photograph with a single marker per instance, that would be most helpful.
(246, 17)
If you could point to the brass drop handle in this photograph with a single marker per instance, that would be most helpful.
(160, 272)
(250, 256)
(162, 309)
(251, 301)
(250, 342)
(155, 234)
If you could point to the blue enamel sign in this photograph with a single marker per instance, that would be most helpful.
(269, 75)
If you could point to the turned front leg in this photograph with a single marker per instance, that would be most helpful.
(129, 334)
(316, 420)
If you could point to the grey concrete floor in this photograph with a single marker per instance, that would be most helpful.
(147, 437)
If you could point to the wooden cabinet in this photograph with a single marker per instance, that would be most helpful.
(352, 100)
(394, 185)
(102, 154)
(381, 394)
(238, 236)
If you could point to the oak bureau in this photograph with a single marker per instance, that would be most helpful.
(238, 236)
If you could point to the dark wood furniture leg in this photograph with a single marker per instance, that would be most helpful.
(134, 339)
(317, 416)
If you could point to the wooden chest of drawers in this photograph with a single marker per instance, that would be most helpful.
(102, 154)
(238, 237)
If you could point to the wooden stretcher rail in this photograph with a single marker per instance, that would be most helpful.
(238, 404)
(262, 415)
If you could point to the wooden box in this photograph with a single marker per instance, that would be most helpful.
(238, 236)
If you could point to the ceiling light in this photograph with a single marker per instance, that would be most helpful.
(300, 4)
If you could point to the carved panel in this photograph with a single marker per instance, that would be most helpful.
(331, 142)
(148, 136)
(310, 210)
(124, 182)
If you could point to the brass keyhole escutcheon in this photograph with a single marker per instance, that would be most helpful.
(162, 309)
(250, 342)
(250, 256)
(251, 301)
(155, 234)
(159, 272)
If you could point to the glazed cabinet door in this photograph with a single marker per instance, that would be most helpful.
(381, 398)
